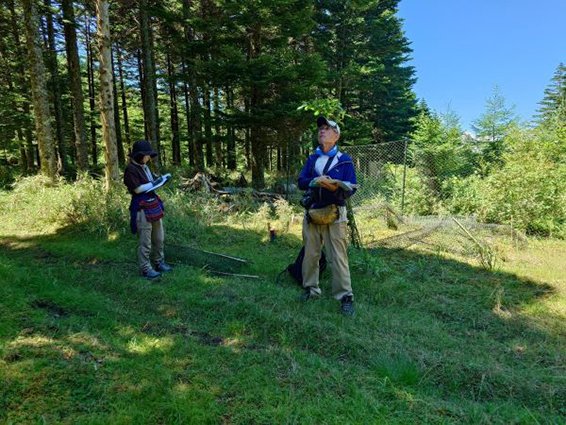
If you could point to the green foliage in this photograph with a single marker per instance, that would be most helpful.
(493, 126)
(419, 197)
(329, 107)
(528, 191)
(366, 54)
(93, 210)
(466, 195)
(553, 105)
(438, 151)
(7, 176)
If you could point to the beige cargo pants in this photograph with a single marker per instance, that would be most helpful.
(334, 238)
(150, 244)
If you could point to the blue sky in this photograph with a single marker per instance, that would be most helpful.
(462, 49)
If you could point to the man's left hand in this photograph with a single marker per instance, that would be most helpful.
(324, 182)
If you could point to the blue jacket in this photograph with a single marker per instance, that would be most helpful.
(343, 169)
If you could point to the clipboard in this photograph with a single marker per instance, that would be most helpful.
(166, 178)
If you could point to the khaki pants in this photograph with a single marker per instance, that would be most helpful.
(334, 237)
(150, 243)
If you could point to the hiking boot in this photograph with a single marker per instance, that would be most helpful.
(150, 274)
(307, 295)
(347, 305)
(163, 267)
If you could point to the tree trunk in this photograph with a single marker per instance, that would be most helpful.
(174, 114)
(190, 135)
(106, 93)
(231, 143)
(91, 93)
(259, 156)
(55, 88)
(124, 103)
(44, 131)
(74, 69)
(195, 108)
(23, 85)
(217, 130)
(119, 143)
(247, 132)
(148, 80)
(257, 139)
(207, 126)
(142, 88)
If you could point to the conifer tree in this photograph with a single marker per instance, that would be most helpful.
(74, 70)
(493, 125)
(107, 93)
(43, 127)
(553, 105)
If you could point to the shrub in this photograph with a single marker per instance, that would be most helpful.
(467, 197)
(419, 198)
(92, 209)
(527, 192)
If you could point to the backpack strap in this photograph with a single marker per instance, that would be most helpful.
(327, 165)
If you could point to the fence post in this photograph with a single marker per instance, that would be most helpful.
(404, 177)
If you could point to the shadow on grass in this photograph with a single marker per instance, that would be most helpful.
(85, 339)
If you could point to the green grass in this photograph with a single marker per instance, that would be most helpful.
(435, 339)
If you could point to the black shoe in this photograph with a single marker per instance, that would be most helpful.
(163, 267)
(307, 295)
(347, 307)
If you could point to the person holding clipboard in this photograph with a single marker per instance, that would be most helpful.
(328, 179)
(146, 210)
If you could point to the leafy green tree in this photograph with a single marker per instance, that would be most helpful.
(528, 190)
(493, 125)
(438, 149)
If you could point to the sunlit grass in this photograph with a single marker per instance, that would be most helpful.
(436, 338)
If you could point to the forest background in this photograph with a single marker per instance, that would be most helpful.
(232, 87)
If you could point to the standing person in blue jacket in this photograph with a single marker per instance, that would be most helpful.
(329, 178)
(146, 210)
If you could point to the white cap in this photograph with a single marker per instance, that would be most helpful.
(320, 121)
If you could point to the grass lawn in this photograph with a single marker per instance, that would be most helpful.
(435, 339)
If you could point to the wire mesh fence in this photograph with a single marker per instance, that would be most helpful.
(407, 198)
(381, 170)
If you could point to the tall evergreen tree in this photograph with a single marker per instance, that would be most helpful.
(553, 105)
(107, 93)
(276, 71)
(15, 110)
(43, 128)
(365, 49)
(74, 71)
(54, 85)
(493, 125)
(148, 77)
